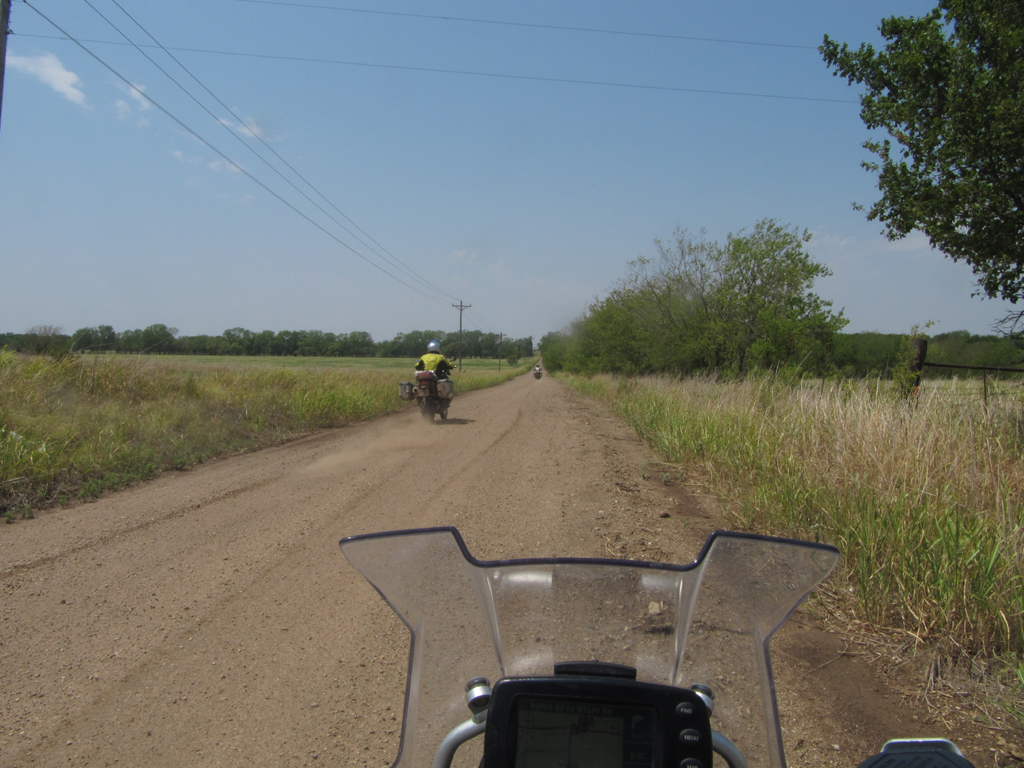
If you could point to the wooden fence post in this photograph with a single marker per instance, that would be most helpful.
(920, 352)
(828, 359)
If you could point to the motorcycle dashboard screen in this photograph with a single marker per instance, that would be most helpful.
(567, 733)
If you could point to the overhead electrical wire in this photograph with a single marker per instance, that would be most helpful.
(529, 25)
(240, 168)
(472, 312)
(390, 259)
(394, 261)
(494, 75)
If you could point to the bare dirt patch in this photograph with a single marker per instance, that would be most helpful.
(208, 617)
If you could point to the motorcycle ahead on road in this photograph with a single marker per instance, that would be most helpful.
(432, 393)
(536, 372)
(598, 663)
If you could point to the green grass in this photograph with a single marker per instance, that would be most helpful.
(79, 426)
(926, 503)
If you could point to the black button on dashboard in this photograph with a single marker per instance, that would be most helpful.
(690, 736)
(685, 709)
(691, 762)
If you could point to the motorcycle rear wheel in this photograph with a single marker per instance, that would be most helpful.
(427, 411)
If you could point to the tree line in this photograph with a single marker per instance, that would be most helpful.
(739, 306)
(858, 355)
(160, 339)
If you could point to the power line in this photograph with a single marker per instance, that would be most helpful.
(479, 318)
(393, 261)
(199, 138)
(530, 25)
(494, 75)
(484, 325)
(461, 307)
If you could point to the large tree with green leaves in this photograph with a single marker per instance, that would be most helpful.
(755, 299)
(948, 88)
(701, 305)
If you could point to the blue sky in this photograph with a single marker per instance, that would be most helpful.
(515, 156)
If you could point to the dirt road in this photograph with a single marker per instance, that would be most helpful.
(209, 618)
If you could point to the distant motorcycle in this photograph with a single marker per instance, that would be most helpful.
(536, 372)
(432, 393)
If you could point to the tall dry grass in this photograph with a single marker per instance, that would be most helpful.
(926, 503)
(78, 426)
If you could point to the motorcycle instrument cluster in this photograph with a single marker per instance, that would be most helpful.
(597, 721)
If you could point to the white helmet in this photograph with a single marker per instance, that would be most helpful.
(434, 346)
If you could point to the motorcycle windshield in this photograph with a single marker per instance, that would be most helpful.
(707, 622)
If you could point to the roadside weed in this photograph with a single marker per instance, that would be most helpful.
(926, 503)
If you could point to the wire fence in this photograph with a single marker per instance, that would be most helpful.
(992, 383)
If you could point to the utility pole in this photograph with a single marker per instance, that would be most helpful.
(500, 336)
(5, 20)
(460, 306)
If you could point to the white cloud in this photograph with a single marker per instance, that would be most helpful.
(177, 154)
(48, 69)
(249, 128)
(830, 242)
(464, 256)
(836, 251)
(915, 241)
(223, 165)
(136, 92)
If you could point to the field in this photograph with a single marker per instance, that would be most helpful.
(78, 426)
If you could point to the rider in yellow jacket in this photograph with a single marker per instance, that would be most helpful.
(434, 361)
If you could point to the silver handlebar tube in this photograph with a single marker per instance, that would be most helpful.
(463, 732)
(458, 736)
(729, 751)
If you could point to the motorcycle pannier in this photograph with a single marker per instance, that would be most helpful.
(446, 389)
(405, 390)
